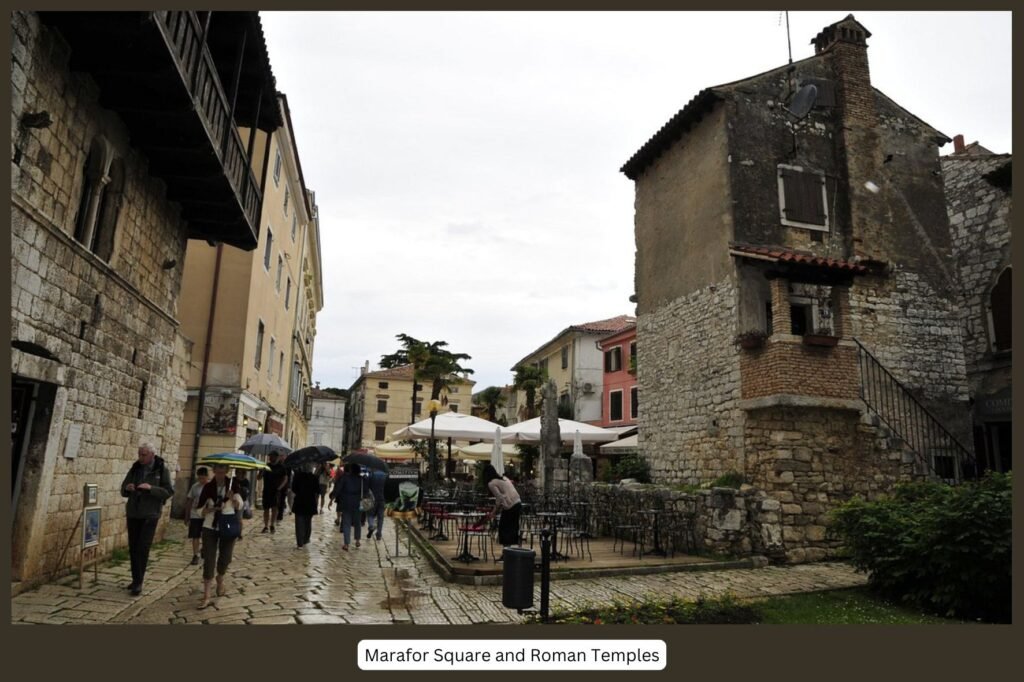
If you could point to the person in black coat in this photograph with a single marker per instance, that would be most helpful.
(306, 488)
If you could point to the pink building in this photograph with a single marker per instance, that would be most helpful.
(619, 399)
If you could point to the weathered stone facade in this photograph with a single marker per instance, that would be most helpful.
(851, 258)
(98, 340)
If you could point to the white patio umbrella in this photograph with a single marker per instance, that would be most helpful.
(451, 425)
(622, 446)
(529, 432)
(481, 452)
(497, 460)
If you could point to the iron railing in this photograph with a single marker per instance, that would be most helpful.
(942, 454)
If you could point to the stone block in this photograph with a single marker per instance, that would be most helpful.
(796, 556)
(815, 533)
(815, 554)
(792, 509)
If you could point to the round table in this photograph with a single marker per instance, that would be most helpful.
(465, 555)
(555, 518)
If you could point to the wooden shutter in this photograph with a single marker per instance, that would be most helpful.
(803, 196)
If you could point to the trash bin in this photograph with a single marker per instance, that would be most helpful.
(517, 577)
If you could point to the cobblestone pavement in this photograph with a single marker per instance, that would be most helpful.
(272, 581)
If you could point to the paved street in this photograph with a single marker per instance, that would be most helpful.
(272, 581)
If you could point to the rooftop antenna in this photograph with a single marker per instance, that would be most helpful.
(789, 43)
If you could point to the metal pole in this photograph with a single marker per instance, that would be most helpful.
(545, 573)
(432, 474)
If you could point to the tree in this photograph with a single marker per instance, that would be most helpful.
(530, 378)
(491, 398)
(415, 353)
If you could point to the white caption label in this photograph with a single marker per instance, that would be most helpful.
(512, 654)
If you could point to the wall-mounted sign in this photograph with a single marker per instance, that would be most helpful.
(996, 405)
(220, 413)
(73, 442)
(91, 494)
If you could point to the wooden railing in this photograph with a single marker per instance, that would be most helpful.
(183, 34)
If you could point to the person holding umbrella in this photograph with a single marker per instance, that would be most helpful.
(220, 498)
(306, 490)
(348, 489)
(375, 517)
(273, 483)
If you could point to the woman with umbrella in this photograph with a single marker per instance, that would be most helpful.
(220, 498)
(348, 489)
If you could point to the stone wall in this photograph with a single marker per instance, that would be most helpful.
(109, 328)
(689, 376)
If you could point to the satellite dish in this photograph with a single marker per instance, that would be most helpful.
(803, 101)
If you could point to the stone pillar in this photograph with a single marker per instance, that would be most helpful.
(581, 470)
(550, 435)
(843, 326)
(781, 323)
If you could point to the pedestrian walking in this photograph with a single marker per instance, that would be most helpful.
(194, 517)
(273, 481)
(221, 504)
(375, 517)
(306, 488)
(324, 479)
(507, 502)
(147, 486)
(348, 489)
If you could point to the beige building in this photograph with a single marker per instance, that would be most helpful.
(101, 214)
(253, 317)
(380, 403)
(576, 365)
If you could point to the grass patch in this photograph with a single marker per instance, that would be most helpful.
(119, 556)
(834, 607)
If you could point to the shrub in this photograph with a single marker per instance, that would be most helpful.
(728, 480)
(629, 466)
(944, 549)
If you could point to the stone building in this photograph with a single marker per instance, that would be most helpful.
(123, 147)
(803, 206)
(254, 315)
(979, 203)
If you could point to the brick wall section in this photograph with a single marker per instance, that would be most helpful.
(689, 377)
(785, 365)
(129, 338)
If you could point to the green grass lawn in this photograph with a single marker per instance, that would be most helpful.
(840, 607)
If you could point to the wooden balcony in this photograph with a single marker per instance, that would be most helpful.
(157, 71)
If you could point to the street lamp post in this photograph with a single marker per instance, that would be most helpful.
(434, 406)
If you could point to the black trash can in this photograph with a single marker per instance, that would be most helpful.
(517, 577)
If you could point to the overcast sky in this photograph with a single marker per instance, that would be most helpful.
(466, 165)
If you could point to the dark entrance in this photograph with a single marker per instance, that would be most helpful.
(1000, 438)
(23, 396)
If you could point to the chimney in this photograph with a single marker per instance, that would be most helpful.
(364, 369)
(844, 47)
(958, 144)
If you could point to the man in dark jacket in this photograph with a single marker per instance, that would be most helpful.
(375, 517)
(147, 486)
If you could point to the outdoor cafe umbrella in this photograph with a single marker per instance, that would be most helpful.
(317, 454)
(264, 444)
(529, 432)
(451, 425)
(481, 452)
(497, 458)
(365, 460)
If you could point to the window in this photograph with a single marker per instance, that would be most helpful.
(378, 432)
(259, 343)
(382, 384)
(277, 168)
(565, 403)
(419, 387)
(268, 250)
(802, 198)
(295, 225)
(634, 402)
(613, 360)
(288, 294)
(454, 407)
(453, 389)
(419, 407)
(768, 318)
(100, 203)
(286, 197)
(632, 356)
(1000, 311)
(318, 437)
(280, 270)
(542, 365)
(270, 356)
(382, 406)
(615, 406)
(280, 368)
(565, 357)
(799, 318)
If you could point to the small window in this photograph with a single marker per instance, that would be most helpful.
(288, 294)
(280, 368)
(382, 384)
(268, 250)
(378, 432)
(277, 168)
(419, 407)
(418, 388)
(454, 407)
(259, 343)
(634, 402)
(100, 202)
(453, 389)
(295, 225)
(802, 200)
(287, 195)
(382, 406)
(280, 271)
(1001, 312)
(615, 406)
(800, 319)
(613, 361)
(632, 357)
(270, 365)
(565, 357)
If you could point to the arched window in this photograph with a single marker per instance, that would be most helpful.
(100, 203)
(1000, 311)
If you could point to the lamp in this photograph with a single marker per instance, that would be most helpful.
(434, 406)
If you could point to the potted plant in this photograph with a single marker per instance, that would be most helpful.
(750, 339)
(822, 336)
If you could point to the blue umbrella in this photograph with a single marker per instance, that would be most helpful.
(233, 459)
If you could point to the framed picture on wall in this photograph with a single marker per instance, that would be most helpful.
(91, 527)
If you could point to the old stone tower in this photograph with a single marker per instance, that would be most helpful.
(805, 207)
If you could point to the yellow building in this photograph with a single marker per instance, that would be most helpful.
(252, 315)
(380, 403)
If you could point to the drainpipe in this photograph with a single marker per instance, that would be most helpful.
(206, 364)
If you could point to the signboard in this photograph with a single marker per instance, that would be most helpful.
(73, 442)
(404, 472)
(998, 405)
(91, 526)
(220, 413)
(90, 494)
(275, 427)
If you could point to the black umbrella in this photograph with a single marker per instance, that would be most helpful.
(317, 454)
(369, 461)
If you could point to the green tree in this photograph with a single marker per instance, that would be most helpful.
(491, 399)
(530, 379)
(415, 353)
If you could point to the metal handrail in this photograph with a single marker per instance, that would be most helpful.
(907, 417)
